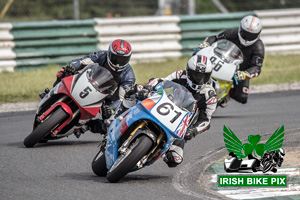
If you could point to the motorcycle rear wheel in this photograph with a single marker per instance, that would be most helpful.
(45, 127)
(99, 164)
(125, 163)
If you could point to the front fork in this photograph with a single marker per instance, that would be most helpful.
(137, 131)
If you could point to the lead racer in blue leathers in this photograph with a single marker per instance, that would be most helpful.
(196, 78)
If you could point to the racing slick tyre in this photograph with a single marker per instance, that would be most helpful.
(99, 164)
(45, 127)
(127, 161)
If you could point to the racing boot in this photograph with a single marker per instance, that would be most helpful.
(224, 102)
(43, 94)
(173, 156)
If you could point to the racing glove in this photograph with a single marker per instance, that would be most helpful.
(144, 93)
(203, 45)
(132, 90)
(198, 128)
(70, 70)
(190, 133)
(60, 73)
(242, 75)
(153, 82)
(106, 111)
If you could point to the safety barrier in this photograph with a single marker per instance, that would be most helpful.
(41, 43)
(194, 29)
(281, 30)
(152, 38)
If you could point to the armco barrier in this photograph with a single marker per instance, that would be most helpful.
(281, 30)
(152, 38)
(41, 43)
(194, 29)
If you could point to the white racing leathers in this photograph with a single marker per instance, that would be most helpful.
(206, 105)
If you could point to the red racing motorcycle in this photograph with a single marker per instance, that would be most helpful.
(70, 104)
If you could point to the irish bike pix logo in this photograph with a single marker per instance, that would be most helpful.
(253, 158)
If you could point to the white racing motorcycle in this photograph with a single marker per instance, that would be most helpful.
(226, 58)
(72, 102)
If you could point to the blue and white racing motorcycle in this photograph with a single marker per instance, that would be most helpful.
(142, 134)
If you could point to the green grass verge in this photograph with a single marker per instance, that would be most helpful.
(22, 86)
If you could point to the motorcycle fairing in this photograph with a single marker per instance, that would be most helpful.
(140, 112)
(88, 109)
(222, 88)
(84, 93)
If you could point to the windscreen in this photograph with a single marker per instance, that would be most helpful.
(228, 51)
(179, 95)
(101, 79)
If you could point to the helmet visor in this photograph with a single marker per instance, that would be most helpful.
(198, 78)
(248, 36)
(119, 59)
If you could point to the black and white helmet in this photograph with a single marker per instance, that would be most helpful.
(199, 69)
(249, 30)
(281, 152)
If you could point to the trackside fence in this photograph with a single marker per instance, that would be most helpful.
(152, 38)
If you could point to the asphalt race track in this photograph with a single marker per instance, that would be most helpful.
(61, 169)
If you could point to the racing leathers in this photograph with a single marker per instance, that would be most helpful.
(206, 105)
(124, 78)
(250, 68)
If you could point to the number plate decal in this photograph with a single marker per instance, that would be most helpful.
(168, 113)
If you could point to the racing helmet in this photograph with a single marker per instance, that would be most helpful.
(281, 152)
(119, 53)
(249, 30)
(198, 69)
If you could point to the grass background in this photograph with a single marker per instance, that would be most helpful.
(24, 86)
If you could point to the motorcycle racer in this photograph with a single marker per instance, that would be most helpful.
(116, 60)
(247, 38)
(196, 78)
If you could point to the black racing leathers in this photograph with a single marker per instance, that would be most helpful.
(253, 60)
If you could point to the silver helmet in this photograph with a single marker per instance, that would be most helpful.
(249, 30)
(199, 69)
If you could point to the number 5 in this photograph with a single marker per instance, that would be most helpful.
(85, 92)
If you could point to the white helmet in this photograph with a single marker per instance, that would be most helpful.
(199, 69)
(281, 152)
(249, 30)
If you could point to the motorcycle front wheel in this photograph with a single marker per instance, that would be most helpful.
(99, 164)
(45, 127)
(126, 162)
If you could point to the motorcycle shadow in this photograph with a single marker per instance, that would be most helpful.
(141, 178)
(53, 143)
(229, 116)
(144, 178)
